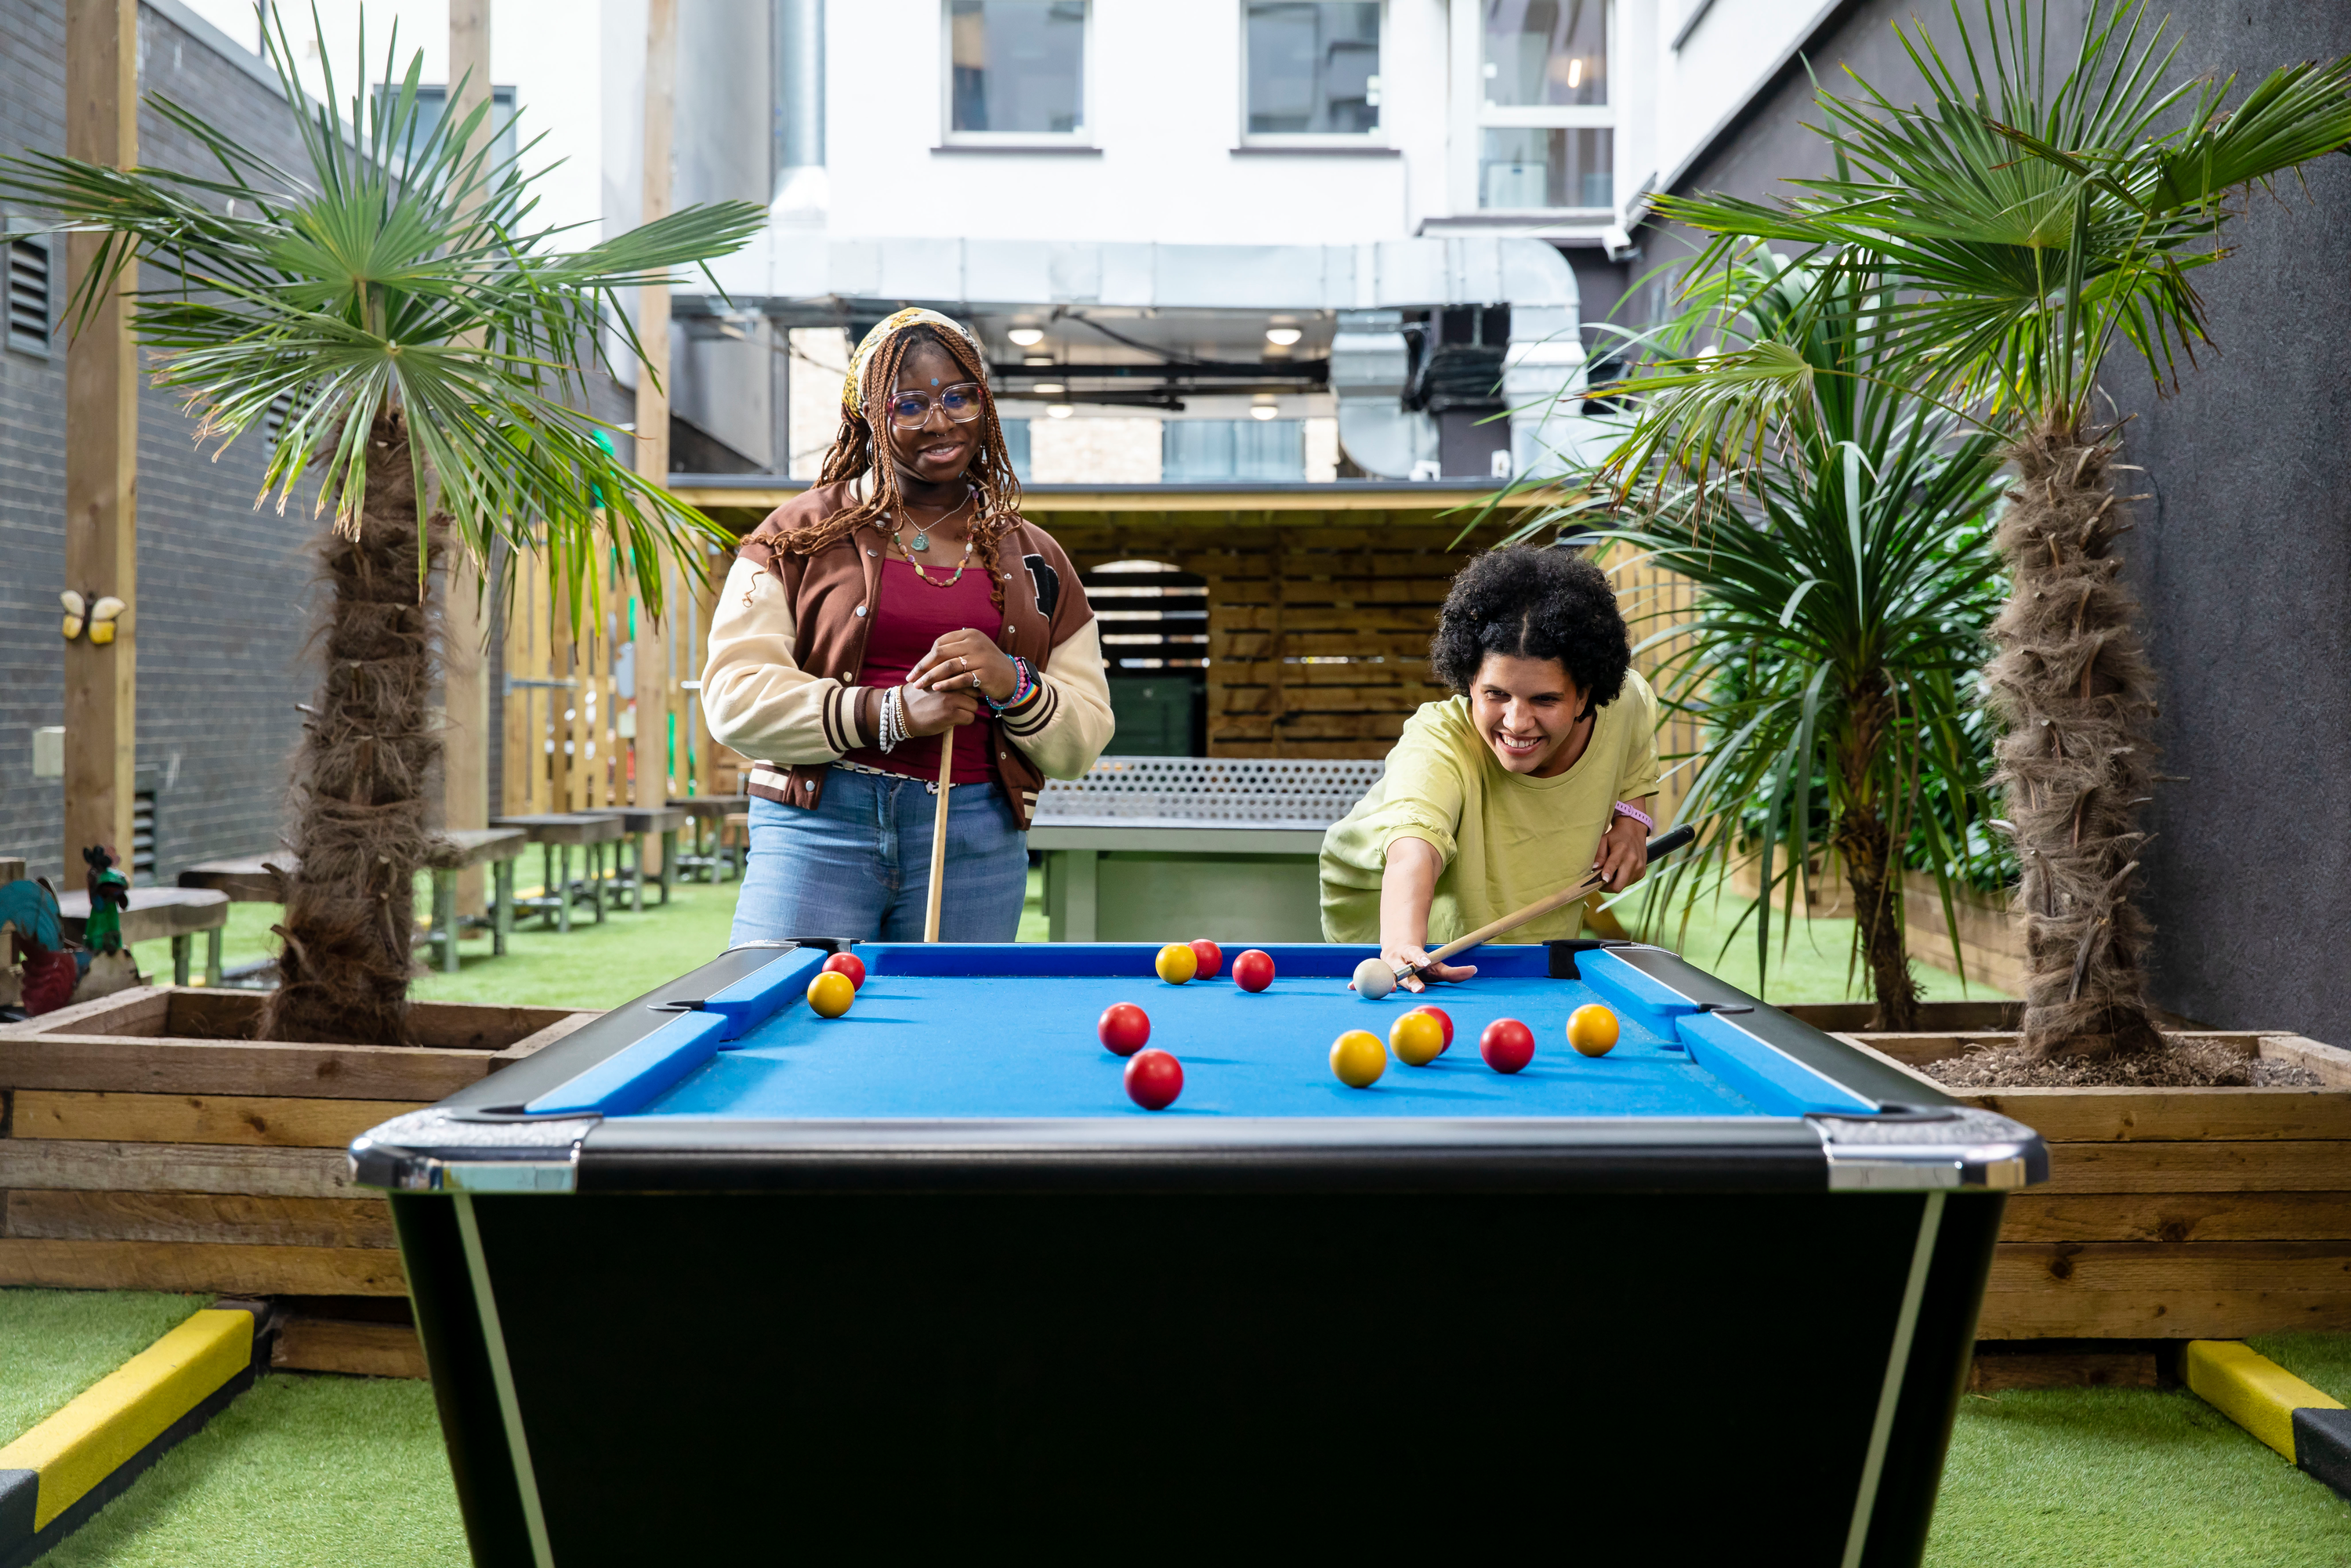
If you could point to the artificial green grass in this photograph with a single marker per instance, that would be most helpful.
(2321, 1360)
(1810, 961)
(2120, 1477)
(298, 1473)
(56, 1343)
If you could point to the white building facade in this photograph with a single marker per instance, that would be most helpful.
(1258, 240)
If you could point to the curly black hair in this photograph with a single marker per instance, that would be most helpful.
(1533, 602)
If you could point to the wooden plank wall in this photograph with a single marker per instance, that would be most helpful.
(1318, 622)
(564, 752)
(1655, 601)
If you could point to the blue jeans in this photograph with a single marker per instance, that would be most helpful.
(860, 865)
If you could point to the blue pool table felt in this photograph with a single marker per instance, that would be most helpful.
(1024, 1046)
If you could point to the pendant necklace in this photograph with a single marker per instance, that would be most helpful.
(922, 541)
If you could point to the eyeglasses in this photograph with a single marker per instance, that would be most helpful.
(909, 410)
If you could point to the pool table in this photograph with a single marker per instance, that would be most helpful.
(717, 1279)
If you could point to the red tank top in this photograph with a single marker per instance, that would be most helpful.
(909, 616)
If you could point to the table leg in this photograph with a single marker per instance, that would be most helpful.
(596, 878)
(1080, 903)
(180, 946)
(212, 953)
(547, 885)
(669, 860)
(501, 905)
(637, 871)
(563, 888)
(445, 917)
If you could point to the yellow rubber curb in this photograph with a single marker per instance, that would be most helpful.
(129, 1407)
(2252, 1390)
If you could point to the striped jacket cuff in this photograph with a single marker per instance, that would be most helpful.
(837, 713)
(1035, 716)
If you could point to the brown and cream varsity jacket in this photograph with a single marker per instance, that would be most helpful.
(787, 640)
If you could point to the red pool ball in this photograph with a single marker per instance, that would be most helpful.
(1253, 970)
(850, 964)
(1444, 1024)
(1154, 1079)
(1211, 957)
(1506, 1045)
(1125, 1028)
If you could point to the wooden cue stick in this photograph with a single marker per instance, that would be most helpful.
(939, 836)
(1662, 844)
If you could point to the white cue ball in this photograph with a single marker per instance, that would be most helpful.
(1373, 978)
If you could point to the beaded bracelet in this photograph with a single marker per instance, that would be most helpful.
(893, 720)
(1020, 693)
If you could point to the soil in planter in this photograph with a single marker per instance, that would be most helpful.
(2184, 1061)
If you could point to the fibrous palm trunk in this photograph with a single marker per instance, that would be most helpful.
(1865, 841)
(359, 796)
(2073, 686)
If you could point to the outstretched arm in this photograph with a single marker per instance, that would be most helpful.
(1406, 887)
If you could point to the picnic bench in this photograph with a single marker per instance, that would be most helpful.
(155, 912)
(556, 834)
(710, 853)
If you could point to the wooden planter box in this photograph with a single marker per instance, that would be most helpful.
(2170, 1213)
(145, 1144)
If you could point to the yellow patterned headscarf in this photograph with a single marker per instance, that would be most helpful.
(853, 386)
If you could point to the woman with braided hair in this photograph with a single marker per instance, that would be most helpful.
(902, 596)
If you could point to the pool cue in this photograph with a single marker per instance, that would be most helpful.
(939, 837)
(1663, 844)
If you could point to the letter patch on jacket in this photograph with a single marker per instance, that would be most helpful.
(1046, 581)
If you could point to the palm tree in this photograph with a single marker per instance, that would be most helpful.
(407, 344)
(1999, 241)
(1846, 579)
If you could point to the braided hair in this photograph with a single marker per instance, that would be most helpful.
(860, 449)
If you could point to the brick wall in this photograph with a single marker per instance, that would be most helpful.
(223, 588)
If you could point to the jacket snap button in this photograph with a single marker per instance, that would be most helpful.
(807, 783)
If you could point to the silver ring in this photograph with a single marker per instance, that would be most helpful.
(974, 683)
(962, 662)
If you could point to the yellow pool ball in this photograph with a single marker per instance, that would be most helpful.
(1416, 1039)
(830, 994)
(1592, 1029)
(1178, 963)
(1358, 1057)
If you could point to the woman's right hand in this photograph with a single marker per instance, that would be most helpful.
(1396, 956)
(932, 713)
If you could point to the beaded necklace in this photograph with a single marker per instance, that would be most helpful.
(922, 541)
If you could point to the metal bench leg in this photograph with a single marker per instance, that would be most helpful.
(213, 954)
(596, 877)
(669, 861)
(501, 905)
(637, 871)
(181, 947)
(547, 888)
(563, 888)
(445, 917)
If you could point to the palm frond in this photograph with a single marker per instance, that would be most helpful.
(402, 268)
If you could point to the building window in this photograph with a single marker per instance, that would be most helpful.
(1016, 446)
(1311, 69)
(1267, 451)
(1546, 52)
(1017, 70)
(1547, 127)
(28, 295)
(432, 103)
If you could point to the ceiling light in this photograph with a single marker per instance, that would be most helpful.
(1575, 72)
(1027, 337)
(1264, 411)
(1282, 336)
(1037, 360)
(1059, 411)
(1049, 389)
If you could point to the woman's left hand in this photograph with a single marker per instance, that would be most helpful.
(1623, 857)
(958, 656)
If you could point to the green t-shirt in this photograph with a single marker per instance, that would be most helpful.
(1505, 839)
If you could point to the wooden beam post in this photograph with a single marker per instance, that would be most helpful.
(464, 624)
(101, 686)
(654, 683)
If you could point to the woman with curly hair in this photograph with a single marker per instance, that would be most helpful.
(902, 596)
(1541, 766)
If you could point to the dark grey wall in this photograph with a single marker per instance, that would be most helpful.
(222, 586)
(2244, 556)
